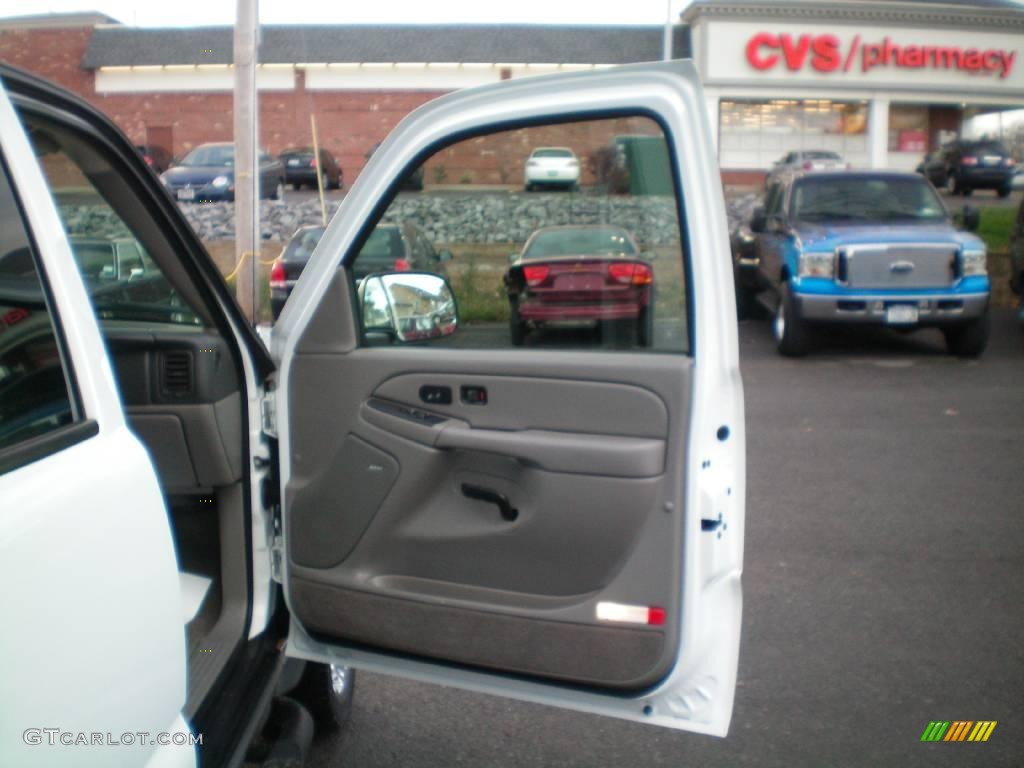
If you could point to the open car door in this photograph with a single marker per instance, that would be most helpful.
(525, 475)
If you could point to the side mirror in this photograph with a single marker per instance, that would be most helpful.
(444, 256)
(972, 218)
(408, 306)
(758, 220)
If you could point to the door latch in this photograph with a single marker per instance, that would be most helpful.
(479, 493)
(708, 526)
(268, 411)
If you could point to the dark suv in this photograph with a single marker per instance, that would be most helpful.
(390, 247)
(300, 168)
(970, 165)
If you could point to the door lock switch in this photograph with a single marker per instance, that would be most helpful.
(473, 395)
(435, 395)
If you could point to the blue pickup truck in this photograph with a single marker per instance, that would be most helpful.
(863, 247)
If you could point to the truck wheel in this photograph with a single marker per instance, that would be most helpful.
(645, 327)
(516, 327)
(326, 691)
(792, 335)
(968, 339)
(746, 299)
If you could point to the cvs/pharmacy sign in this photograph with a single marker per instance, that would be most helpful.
(826, 53)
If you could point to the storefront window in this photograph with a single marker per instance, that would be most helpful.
(755, 134)
(908, 128)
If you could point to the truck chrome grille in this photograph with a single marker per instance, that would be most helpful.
(902, 266)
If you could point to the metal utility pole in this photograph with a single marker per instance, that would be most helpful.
(247, 213)
(666, 44)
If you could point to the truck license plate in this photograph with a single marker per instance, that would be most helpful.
(186, 194)
(901, 314)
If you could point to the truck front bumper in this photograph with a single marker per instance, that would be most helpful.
(932, 309)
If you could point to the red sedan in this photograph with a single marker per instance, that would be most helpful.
(584, 273)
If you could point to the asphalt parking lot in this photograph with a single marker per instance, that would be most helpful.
(883, 581)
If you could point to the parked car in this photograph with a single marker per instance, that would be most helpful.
(1017, 182)
(207, 173)
(580, 273)
(190, 516)
(865, 247)
(289, 265)
(156, 157)
(389, 248)
(807, 160)
(933, 168)
(300, 168)
(965, 165)
(552, 167)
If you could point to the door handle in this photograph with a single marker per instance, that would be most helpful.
(479, 493)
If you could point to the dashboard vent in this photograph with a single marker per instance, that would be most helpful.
(177, 373)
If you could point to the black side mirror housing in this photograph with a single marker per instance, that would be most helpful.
(758, 220)
(972, 218)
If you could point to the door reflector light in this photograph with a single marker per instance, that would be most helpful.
(631, 614)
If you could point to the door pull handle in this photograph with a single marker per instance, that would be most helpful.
(479, 493)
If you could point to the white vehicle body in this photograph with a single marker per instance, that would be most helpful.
(85, 528)
(552, 166)
(808, 160)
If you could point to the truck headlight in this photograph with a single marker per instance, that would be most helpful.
(817, 264)
(220, 182)
(972, 263)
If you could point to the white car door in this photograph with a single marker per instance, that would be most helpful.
(542, 498)
(93, 649)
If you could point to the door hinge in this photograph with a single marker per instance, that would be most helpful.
(277, 550)
(268, 409)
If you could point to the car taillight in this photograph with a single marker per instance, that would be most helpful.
(631, 273)
(402, 265)
(536, 275)
(968, 160)
(573, 163)
(277, 276)
(1009, 161)
(312, 163)
(808, 165)
(148, 159)
(531, 163)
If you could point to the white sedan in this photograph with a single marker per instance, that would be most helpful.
(552, 166)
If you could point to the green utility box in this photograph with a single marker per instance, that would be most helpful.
(646, 160)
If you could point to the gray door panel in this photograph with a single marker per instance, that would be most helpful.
(385, 549)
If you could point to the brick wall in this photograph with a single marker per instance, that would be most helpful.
(55, 54)
(500, 158)
(349, 123)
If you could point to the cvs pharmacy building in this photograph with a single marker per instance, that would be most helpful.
(879, 82)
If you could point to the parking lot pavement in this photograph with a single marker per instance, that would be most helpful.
(883, 581)
(982, 198)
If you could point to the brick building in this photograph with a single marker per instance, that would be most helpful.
(879, 81)
(173, 87)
